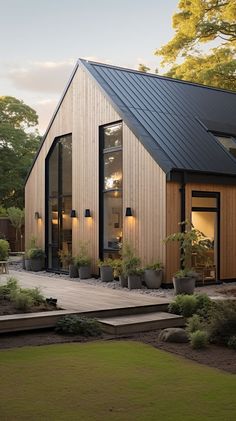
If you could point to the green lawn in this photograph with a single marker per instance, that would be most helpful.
(110, 381)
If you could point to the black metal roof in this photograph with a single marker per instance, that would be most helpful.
(172, 118)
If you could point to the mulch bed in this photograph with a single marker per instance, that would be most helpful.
(7, 307)
(214, 356)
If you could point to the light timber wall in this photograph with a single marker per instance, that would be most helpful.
(227, 224)
(83, 110)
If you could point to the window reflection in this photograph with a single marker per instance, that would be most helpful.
(112, 190)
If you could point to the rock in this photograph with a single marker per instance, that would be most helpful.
(174, 334)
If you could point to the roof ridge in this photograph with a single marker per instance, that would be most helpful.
(154, 75)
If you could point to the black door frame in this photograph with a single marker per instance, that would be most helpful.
(216, 195)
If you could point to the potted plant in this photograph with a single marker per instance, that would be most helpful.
(191, 242)
(117, 265)
(106, 269)
(36, 256)
(4, 249)
(127, 253)
(153, 275)
(27, 262)
(83, 262)
(68, 263)
(135, 276)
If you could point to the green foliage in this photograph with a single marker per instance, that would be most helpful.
(199, 339)
(3, 211)
(232, 342)
(35, 295)
(4, 249)
(105, 262)
(77, 325)
(187, 305)
(36, 253)
(83, 259)
(222, 321)
(193, 324)
(198, 22)
(117, 267)
(65, 257)
(7, 289)
(130, 262)
(22, 301)
(16, 217)
(191, 241)
(17, 148)
(155, 266)
(143, 68)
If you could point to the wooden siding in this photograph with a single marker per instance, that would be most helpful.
(227, 224)
(83, 110)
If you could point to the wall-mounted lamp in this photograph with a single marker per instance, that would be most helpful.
(87, 213)
(73, 213)
(128, 212)
(37, 216)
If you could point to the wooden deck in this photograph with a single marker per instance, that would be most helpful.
(81, 297)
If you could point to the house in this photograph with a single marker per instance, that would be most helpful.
(126, 157)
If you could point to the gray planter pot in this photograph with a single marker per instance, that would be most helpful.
(106, 273)
(36, 265)
(27, 264)
(134, 282)
(73, 271)
(123, 281)
(23, 262)
(153, 278)
(85, 272)
(184, 285)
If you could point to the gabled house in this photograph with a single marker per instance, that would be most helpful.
(126, 157)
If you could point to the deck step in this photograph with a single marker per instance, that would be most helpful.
(140, 322)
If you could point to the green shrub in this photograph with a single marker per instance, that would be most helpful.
(232, 342)
(4, 249)
(187, 305)
(199, 339)
(76, 325)
(35, 253)
(22, 301)
(35, 294)
(184, 305)
(222, 321)
(9, 287)
(193, 324)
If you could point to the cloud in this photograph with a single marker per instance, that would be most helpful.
(47, 76)
(45, 109)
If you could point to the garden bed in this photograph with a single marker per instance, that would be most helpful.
(8, 308)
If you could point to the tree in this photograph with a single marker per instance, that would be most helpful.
(16, 217)
(143, 68)
(201, 22)
(19, 142)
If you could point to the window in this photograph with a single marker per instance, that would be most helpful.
(229, 143)
(59, 200)
(111, 189)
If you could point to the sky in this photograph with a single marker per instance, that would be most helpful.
(41, 41)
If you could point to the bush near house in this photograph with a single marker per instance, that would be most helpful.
(77, 325)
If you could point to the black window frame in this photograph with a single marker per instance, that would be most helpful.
(59, 198)
(216, 209)
(102, 191)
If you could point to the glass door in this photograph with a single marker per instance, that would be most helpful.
(205, 218)
(59, 202)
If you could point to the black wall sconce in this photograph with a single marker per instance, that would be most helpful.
(87, 213)
(37, 216)
(128, 212)
(73, 213)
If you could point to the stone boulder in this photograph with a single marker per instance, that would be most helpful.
(174, 334)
